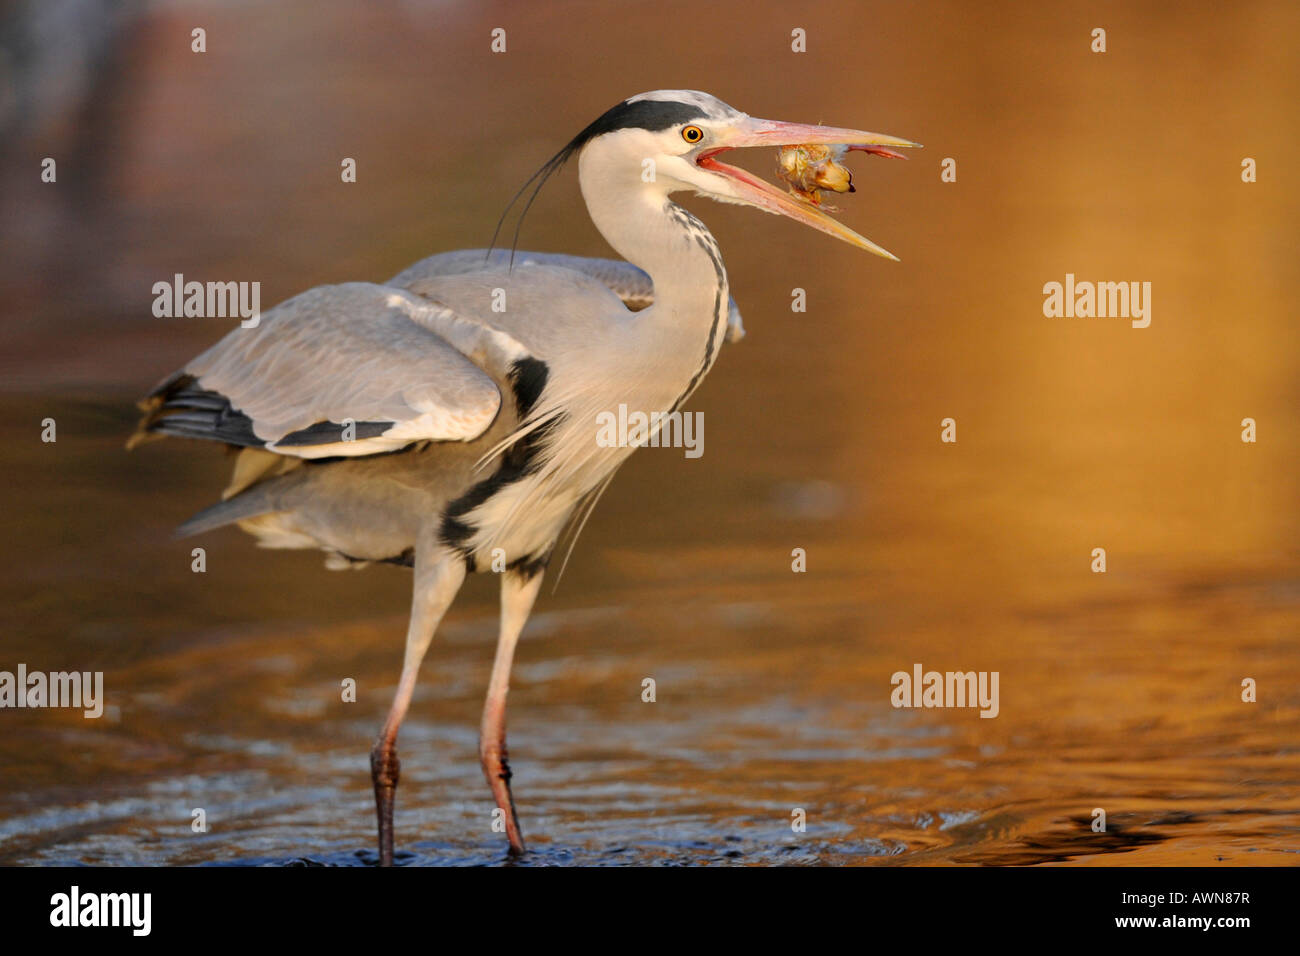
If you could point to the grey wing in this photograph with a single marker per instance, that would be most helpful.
(629, 283)
(353, 369)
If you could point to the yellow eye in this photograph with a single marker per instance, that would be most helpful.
(692, 134)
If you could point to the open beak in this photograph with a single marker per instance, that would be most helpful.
(748, 188)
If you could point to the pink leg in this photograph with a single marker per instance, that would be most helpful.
(517, 596)
(434, 590)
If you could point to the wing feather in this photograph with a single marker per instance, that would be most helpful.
(389, 364)
(628, 282)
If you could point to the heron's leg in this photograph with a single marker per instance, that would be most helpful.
(435, 587)
(517, 595)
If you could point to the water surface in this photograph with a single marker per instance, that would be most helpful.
(1119, 691)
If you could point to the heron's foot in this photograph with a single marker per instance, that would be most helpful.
(385, 770)
(496, 767)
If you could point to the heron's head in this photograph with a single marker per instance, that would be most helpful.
(670, 140)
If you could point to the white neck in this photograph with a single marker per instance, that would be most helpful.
(688, 320)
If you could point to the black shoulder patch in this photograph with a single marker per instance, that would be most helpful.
(527, 379)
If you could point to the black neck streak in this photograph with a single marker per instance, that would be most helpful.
(695, 231)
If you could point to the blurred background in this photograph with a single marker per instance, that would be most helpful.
(1118, 690)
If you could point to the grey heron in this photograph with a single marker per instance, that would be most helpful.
(449, 414)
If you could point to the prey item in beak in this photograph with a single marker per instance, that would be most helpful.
(809, 162)
(811, 170)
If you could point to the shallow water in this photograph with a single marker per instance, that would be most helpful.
(772, 694)
(1119, 691)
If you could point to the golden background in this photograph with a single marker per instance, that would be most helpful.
(1119, 691)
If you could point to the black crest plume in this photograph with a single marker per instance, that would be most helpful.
(652, 115)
